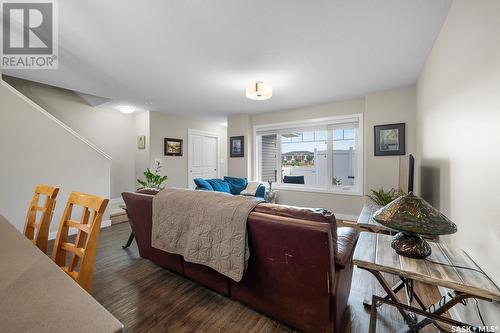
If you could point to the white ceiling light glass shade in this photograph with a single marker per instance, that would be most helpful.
(259, 91)
(126, 109)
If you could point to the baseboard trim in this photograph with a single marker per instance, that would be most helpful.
(114, 201)
(104, 224)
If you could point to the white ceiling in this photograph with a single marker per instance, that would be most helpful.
(195, 57)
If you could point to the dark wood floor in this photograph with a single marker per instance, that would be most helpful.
(148, 298)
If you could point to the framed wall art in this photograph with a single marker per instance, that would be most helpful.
(390, 139)
(141, 142)
(173, 147)
(237, 146)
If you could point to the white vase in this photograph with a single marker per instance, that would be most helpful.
(270, 196)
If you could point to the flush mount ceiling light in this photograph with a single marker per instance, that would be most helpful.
(259, 91)
(126, 109)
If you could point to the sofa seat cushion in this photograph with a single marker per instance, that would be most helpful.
(219, 185)
(236, 185)
(203, 184)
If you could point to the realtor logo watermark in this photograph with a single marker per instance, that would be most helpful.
(29, 35)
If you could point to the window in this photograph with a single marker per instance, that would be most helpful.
(344, 157)
(324, 155)
(303, 157)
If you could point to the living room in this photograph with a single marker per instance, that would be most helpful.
(353, 140)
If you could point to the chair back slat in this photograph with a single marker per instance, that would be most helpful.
(82, 251)
(78, 251)
(78, 225)
(38, 232)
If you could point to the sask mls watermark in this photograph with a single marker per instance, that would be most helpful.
(29, 35)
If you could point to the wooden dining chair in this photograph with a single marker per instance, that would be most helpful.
(82, 251)
(38, 233)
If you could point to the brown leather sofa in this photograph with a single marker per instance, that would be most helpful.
(300, 265)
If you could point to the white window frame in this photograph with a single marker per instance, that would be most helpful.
(311, 124)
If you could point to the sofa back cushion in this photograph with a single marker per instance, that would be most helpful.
(310, 214)
(236, 184)
(203, 184)
(325, 218)
(289, 271)
(219, 185)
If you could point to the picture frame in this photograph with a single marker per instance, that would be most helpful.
(389, 140)
(141, 142)
(237, 146)
(173, 147)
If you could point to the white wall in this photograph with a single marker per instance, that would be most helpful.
(458, 130)
(107, 128)
(385, 107)
(164, 126)
(116, 134)
(35, 149)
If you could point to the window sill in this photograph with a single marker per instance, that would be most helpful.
(300, 188)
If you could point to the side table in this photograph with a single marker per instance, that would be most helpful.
(443, 268)
(384, 318)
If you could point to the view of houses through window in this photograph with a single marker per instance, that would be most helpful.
(303, 157)
(322, 157)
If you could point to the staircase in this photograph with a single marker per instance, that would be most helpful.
(35, 147)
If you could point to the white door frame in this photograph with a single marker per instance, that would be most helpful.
(204, 133)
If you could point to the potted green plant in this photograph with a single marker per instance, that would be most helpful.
(382, 197)
(153, 179)
(336, 181)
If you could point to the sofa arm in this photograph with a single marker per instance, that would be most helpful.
(346, 243)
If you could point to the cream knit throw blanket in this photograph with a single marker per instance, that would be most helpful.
(207, 228)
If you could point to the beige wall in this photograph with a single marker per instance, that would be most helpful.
(142, 156)
(167, 126)
(239, 125)
(36, 149)
(107, 128)
(458, 129)
(386, 107)
(382, 171)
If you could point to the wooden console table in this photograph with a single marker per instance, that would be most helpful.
(374, 254)
(367, 223)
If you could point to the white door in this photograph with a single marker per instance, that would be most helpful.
(203, 156)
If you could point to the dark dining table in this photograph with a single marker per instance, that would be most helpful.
(37, 296)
